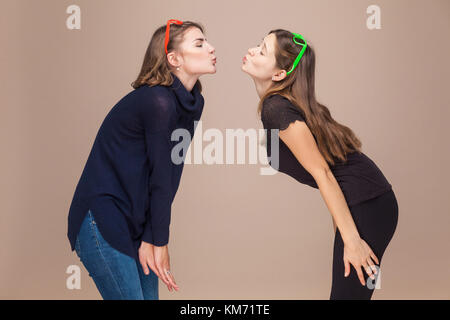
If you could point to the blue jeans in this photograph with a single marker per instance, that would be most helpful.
(116, 275)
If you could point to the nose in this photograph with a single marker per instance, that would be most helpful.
(211, 48)
(250, 51)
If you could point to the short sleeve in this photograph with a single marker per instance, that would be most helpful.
(278, 112)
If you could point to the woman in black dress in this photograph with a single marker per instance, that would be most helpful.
(318, 151)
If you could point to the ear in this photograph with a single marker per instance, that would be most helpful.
(279, 75)
(173, 59)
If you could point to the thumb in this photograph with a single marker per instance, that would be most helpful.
(144, 266)
(347, 268)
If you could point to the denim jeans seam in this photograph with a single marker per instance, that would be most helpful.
(95, 230)
(111, 273)
(92, 223)
(77, 246)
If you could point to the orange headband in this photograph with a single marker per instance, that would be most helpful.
(167, 31)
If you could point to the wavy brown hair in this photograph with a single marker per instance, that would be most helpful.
(334, 140)
(155, 68)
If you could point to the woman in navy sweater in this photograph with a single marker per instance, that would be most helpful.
(317, 151)
(119, 217)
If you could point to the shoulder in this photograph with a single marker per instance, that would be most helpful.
(277, 112)
(158, 108)
(157, 100)
(274, 100)
(279, 103)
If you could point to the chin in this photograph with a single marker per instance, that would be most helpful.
(210, 70)
(244, 70)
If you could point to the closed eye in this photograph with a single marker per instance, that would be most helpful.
(260, 51)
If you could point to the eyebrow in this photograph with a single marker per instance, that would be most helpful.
(264, 46)
(201, 39)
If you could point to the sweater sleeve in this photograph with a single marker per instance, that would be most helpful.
(159, 121)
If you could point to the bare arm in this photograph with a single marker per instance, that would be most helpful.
(335, 201)
(301, 142)
(357, 252)
(334, 226)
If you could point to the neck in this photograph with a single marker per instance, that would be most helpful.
(262, 86)
(187, 80)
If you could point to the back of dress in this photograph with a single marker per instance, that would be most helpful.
(359, 178)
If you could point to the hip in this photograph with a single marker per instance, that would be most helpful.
(380, 212)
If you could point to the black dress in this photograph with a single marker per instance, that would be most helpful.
(369, 195)
(359, 178)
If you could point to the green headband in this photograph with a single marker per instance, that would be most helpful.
(304, 45)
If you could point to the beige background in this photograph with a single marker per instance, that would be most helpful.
(235, 234)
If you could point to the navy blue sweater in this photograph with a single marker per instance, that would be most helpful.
(129, 180)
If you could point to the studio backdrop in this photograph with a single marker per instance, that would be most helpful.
(235, 233)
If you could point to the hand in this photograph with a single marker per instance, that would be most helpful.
(359, 254)
(157, 258)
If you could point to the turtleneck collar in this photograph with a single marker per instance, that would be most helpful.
(189, 101)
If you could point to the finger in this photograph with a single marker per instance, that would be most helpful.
(172, 282)
(154, 269)
(158, 271)
(347, 268)
(368, 270)
(374, 257)
(151, 263)
(172, 279)
(372, 265)
(169, 275)
(144, 266)
(163, 274)
(160, 276)
(360, 275)
(169, 284)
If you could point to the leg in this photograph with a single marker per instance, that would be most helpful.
(376, 221)
(346, 288)
(114, 273)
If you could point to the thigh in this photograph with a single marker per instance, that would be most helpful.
(149, 283)
(115, 274)
(350, 287)
(376, 221)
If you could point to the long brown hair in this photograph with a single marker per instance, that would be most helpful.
(334, 140)
(155, 67)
